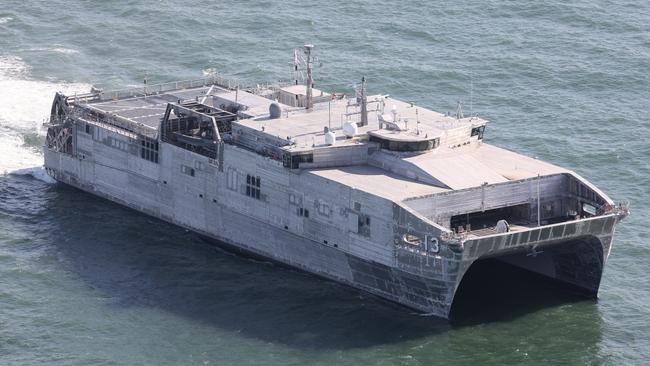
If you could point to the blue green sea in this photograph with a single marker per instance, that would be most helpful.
(87, 282)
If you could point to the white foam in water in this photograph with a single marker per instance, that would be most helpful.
(4, 20)
(25, 105)
(56, 48)
(65, 51)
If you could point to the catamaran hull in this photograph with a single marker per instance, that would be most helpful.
(572, 252)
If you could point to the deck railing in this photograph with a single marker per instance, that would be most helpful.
(155, 89)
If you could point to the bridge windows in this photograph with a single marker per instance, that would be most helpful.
(478, 131)
(293, 161)
(405, 145)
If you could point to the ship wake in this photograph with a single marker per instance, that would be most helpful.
(25, 105)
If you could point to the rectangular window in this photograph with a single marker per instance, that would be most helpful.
(478, 131)
(149, 149)
(302, 212)
(253, 186)
(363, 225)
(293, 161)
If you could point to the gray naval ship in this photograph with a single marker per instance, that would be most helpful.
(380, 194)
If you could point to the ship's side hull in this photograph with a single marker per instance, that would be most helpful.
(333, 231)
(576, 259)
(257, 238)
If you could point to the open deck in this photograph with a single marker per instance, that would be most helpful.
(147, 110)
(306, 128)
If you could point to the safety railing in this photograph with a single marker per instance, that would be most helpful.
(146, 90)
(153, 89)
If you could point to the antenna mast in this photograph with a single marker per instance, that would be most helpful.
(305, 63)
(146, 78)
(297, 73)
(364, 103)
(310, 79)
(471, 93)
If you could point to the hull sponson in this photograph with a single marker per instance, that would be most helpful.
(573, 253)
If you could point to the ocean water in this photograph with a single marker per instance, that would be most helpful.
(86, 282)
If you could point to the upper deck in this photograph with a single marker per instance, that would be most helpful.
(455, 157)
(433, 163)
(388, 118)
(306, 129)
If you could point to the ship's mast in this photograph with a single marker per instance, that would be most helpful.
(310, 79)
(305, 63)
(364, 103)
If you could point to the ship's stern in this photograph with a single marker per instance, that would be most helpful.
(558, 226)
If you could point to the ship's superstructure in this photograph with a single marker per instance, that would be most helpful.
(367, 190)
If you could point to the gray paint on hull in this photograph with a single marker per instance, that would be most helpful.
(328, 262)
(421, 280)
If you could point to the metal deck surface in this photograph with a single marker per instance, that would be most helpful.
(149, 109)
